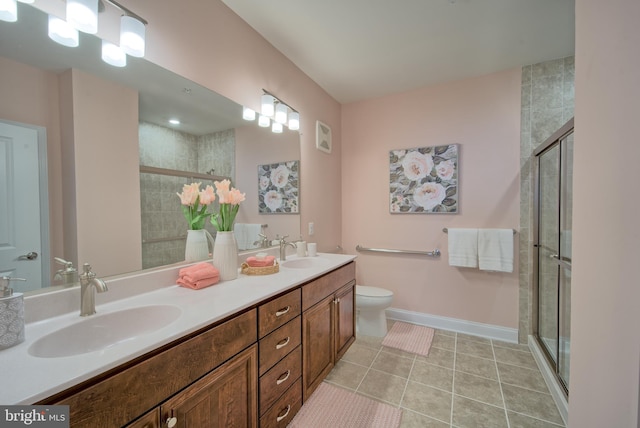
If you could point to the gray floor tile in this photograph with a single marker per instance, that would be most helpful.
(393, 364)
(516, 420)
(477, 349)
(474, 338)
(383, 386)
(437, 356)
(509, 345)
(347, 374)
(412, 419)
(531, 403)
(360, 354)
(444, 342)
(368, 341)
(516, 358)
(473, 414)
(432, 375)
(478, 388)
(523, 377)
(427, 401)
(477, 366)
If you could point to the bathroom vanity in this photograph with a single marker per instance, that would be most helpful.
(246, 352)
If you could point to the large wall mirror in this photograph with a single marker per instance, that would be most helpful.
(94, 141)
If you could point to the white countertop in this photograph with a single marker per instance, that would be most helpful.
(27, 379)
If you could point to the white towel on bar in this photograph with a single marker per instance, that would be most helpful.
(246, 235)
(463, 247)
(495, 250)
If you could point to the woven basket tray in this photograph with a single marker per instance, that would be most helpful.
(266, 270)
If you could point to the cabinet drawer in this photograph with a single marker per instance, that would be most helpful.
(284, 409)
(278, 312)
(277, 380)
(278, 344)
(320, 288)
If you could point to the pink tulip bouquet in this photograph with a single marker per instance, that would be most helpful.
(229, 199)
(194, 204)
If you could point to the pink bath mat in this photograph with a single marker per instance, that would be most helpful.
(334, 407)
(410, 338)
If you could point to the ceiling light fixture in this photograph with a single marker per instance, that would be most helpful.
(248, 114)
(276, 127)
(60, 31)
(266, 105)
(264, 121)
(83, 15)
(113, 55)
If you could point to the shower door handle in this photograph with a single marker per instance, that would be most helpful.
(564, 263)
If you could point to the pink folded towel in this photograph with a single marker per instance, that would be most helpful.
(264, 262)
(198, 276)
(197, 285)
(204, 271)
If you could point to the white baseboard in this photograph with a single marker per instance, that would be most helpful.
(461, 326)
(550, 379)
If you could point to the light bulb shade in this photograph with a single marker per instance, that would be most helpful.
(61, 32)
(132, 36)
(294, 121)
(26, 1)
(266, 106)
(276, 127)
(248, 114)
(83, 15)
(264, 121)
(113, 55)
(8, 10)
(281, 113)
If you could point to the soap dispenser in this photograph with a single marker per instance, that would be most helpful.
(11, 314)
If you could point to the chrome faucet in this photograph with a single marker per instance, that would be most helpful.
(263, 242)
(283, 246)
(88, 282)
(66, 276)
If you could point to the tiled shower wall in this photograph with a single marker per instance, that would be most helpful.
(163, 224)
(547, 104)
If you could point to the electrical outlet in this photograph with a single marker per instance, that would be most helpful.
(311, 228)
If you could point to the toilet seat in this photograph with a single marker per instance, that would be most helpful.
(367, 290)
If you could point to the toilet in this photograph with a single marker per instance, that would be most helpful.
(371, 303)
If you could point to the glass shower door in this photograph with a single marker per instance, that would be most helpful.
(553, 261)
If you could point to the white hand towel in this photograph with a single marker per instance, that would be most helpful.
(495, 249)
(246, 235)
(463, 247)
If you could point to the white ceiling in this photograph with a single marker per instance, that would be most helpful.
(362, 49)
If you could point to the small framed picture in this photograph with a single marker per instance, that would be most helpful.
(323, 137)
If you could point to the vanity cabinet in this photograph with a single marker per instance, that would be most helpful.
(124, 393)
(328, 324)
(280, 360)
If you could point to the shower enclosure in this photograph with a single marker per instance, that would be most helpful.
(552, 250)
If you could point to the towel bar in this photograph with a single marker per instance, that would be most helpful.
(445, 230)
(434, 253)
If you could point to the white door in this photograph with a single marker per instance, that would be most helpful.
(20, 238)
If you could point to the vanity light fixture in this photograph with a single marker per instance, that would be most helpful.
(266, 105)
(264, 121)
(281, 112)
(248, 114)
(276, 127)
(174, 121)
(60, 31)
(113, 55)
(8, 10)
(83, 15)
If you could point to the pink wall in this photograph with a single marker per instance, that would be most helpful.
(605, 347)
(482, 115)
(33, 95)
(207, 43)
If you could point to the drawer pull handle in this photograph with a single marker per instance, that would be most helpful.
(281, 417)
(283, 343)
(283, 311)
(283, 377)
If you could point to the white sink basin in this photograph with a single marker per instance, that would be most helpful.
(99, 332)
(305, 263)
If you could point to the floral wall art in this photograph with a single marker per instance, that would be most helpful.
(278, 188)
(424, 180)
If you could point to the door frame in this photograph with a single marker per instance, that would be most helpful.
(551, 142)
(43, 179)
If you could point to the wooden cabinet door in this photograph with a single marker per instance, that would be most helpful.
(149, 420)
(317, 348)
(225, 398)
(345, 333)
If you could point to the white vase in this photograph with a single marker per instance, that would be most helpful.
(225, 255)
(197, 247)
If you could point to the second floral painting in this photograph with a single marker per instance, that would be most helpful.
(278, 188)
(424, 180)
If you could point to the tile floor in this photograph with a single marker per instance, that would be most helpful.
(466, 381)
